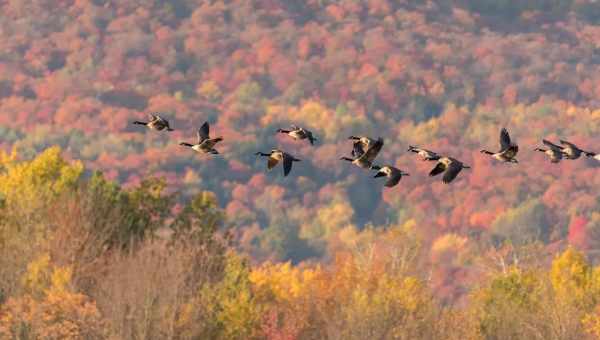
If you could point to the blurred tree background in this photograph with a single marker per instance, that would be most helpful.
(109, 231)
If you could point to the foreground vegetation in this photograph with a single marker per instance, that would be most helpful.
(83, 258)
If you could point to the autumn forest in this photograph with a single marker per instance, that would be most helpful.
(109, 230)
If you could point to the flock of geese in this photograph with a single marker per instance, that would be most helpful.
(365, 150)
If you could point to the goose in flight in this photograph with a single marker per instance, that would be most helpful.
(554, 151)
(450, 167)
(508, 149)
(299, 133)
(156, 122)
(365, 160)
(276, 156)
(572, 151)
(204, 143)
(393, 174)
(425, 154)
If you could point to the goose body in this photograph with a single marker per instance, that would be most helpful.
(299, 133)
(204, 143)
(393, 174)
(426, 155)
(156, 122)
(508, 149)
(554, 151)
(365, 160)
(450, 167)
(276, 156)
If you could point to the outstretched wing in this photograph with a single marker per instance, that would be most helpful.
(287, 164)
(453, 169)
(504, 139)
(564, 142)
(552, 145)
(373, 150)
(271, 162)
(438, 169)
(203, 132)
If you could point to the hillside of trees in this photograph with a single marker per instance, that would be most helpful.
(81, 257)
(217, 247)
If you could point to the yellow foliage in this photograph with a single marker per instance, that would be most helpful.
(209, 90)
(58, 314)
(30, 183)
(61, 278)
(573, 279)
(37, 277)
(329, 220)
(282, 282)
(591, 322)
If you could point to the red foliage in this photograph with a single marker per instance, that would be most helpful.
(577, 232)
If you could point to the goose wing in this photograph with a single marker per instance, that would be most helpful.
(438, 169)
(203, 132)
(310, 137)
(504, 139)
(453, 169)
(556, 156)
(357, 149)
(511, 151)
(569, 144)
(552, 145)
(394, 177)
(287, 163)
(373, 150)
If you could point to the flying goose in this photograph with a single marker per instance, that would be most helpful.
(554, 152)
(360, 144)
(571, 151)
(365, 160)
(508, 150)
(450, 167)
(156, 123)
(299, 133)
(205, 143)
(393, 174)
(427, 155)
(276, 156)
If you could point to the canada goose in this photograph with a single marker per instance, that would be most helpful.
(156, 123)
(571, 151)
(299, 134)
(393, 174)
(275, 156)
(427, 155)
(554, 152)
(450, 167)
(205, 143)
(361, 143)
(508, 150)
(365, 160)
